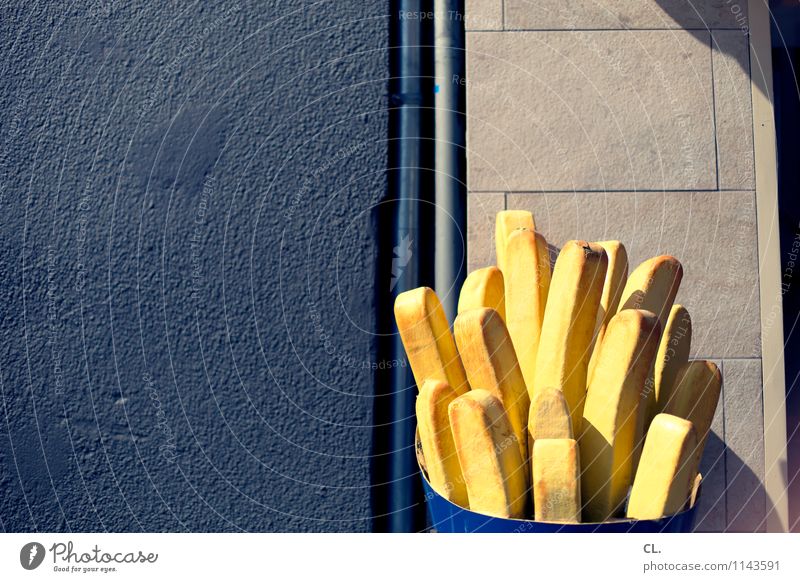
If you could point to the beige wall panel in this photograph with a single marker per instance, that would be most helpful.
(734, 110)
(483, 14)
(619, 14)
(612, 110)
(481, 211)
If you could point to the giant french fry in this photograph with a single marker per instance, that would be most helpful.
(556, 480)
(667, 471)
(527, 277)
(616, 275)
(695, 489)
(491, 364)
(549, 416)
(609, 417)
(483, 288)
(506, 222)
(441, 459)
(427, 340)
(569, 320)
(652, 286)
(695, 396)
(488, 453)
(672, 354)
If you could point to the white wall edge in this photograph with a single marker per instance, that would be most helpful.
(772, 346)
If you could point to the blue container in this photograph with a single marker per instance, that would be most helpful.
(447, 517)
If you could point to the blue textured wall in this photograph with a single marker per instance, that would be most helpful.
(187, 263)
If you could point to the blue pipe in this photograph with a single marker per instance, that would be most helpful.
(426, 244)
(403, 508)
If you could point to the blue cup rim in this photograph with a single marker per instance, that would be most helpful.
(454, 511)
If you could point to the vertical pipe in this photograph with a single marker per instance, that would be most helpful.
(450, 263)
(402, 511)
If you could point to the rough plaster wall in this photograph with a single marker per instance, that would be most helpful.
(186, 262)
(611, 119)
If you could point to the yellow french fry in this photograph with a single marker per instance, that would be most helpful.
(653, 286)
(488, 452)
(695, 489)
(427, 340)
(491, 364)
(608, 431)
(549, 416)
(672, 354)
(441, 459)
(506, 222)
(569, 321)
(667, 470)
(527, 277)
(557, 481)
(695, 396)
(483, 288)
(616, 276)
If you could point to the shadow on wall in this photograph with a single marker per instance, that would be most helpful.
(733, 498)
(695, 17)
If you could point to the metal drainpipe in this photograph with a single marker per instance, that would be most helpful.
(402, 474)
(450, 262)
(403, 505)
